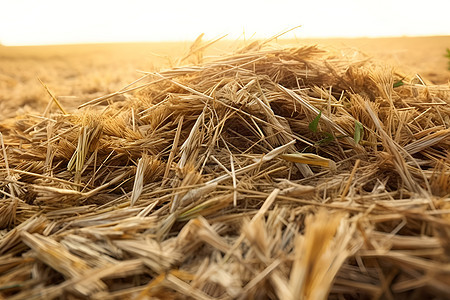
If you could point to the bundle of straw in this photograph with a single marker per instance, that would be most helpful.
(279, 173)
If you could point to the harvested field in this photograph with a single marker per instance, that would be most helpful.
(271, 172)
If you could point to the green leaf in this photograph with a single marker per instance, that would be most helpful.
(313, 125)
(359, 132)
(398, 83)
(448, 56)
(448, 53)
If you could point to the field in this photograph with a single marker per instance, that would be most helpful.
(306, 169)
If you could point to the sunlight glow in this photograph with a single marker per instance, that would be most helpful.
(31, 22)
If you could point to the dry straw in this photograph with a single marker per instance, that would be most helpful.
(279, 173)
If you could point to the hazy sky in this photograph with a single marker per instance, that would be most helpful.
(25, 22)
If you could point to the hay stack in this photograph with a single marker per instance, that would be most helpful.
(272, 173)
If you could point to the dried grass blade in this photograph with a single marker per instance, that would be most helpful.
(428, 141)
(138, 184)
(53, 97)
(233, 175)
(390, 146)
(267, 157)
(309, 158)
(318, 256)
(173, 150)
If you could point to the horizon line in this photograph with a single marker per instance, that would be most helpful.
(142, 41)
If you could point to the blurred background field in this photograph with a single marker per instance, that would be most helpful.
(78, 73)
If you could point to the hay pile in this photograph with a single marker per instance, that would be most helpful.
(272, 173)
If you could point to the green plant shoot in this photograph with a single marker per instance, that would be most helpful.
(359, 132)
(313, 125)
(398, 83)
(448, 56)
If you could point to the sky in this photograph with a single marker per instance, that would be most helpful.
(40, 22)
